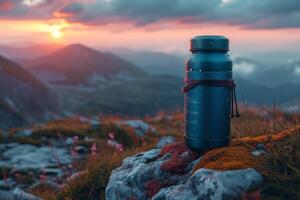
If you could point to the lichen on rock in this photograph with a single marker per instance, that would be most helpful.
(169, 173)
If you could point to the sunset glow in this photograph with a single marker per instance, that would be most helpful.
(56, 33)
(96, 24)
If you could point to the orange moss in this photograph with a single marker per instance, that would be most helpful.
(238, 155)
(267, 138)
(229, 158)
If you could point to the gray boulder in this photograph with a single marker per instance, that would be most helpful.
(141, 170)
(167, 174)
(212, 185)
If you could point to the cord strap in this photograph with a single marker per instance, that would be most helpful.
(191, 84)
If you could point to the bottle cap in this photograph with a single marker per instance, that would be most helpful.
(209, 43)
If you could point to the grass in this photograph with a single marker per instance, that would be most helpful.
(91, 185)
(283, 174)
(281, 167)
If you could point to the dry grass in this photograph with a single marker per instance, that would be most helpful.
(282, 167)
(92, 184)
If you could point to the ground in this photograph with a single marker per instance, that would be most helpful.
(275, 134)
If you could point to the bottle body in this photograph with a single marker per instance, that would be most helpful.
(208, 108)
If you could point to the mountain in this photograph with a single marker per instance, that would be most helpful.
(135, 97)
(77, 64)
(155, 63)
(29, 51)
(287, 95)
(23, 98)
(288, 73)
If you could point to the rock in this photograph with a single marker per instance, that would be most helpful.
(95, 123)
(260, 146)
(45, 186)
(25, 157)
(52, 172)
(138, 171)
(258, 152)
(80, 149)
(212, 185)
(17, 194)
(169, 174)
(141, 127)
(70, 141)
(165, 141)
(24, 133)
(7, 184)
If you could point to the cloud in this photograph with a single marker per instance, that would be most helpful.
(70, 10)
(264, 14)
(244, 68)
(5, 4)
(254, 14)
(297, 70)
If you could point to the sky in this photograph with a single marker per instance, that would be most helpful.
(157, 25)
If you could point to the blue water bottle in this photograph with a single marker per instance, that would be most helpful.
(209, 93)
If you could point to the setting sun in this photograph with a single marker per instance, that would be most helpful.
(56, 33)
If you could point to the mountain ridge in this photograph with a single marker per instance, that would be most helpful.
(77, 63)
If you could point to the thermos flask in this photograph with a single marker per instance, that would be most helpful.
(209, 93)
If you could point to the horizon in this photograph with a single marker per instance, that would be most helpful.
(251, 27)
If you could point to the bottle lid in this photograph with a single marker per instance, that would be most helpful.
(209, 43)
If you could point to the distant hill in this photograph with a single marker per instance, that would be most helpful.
(23, 98)
(287, 95)
(77, 64)
(155, 63)
(28, 52)
(288, 73)
(136, 97)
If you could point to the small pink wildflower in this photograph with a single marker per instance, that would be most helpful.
(111, 136)
(75, 139)
(74, 153)
(43, 178)
(120, 147)
(94, 149)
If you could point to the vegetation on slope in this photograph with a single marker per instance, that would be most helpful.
(279, 133)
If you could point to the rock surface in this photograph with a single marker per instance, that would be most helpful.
(25, 157)
(141, 127)
(168, 174)
(17, 194)
(165, 141)
(214, 185)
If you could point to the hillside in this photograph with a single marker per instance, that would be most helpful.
(23, 98)
(155, 63)
(288, 73)
(77, 64)
(30, 51)
(131, 97)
